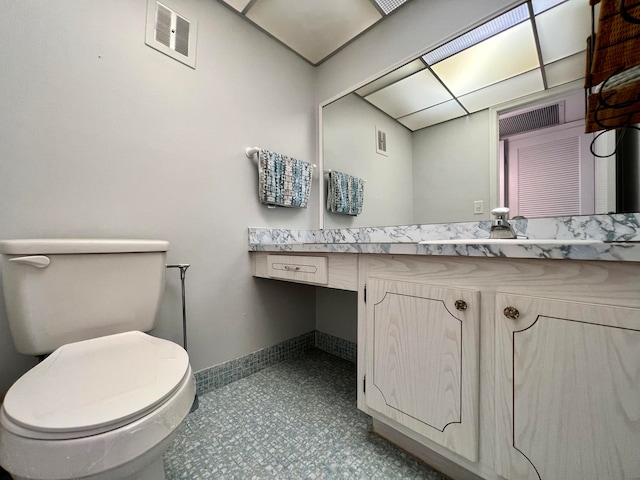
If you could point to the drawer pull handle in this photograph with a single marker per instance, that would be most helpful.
(461, 305)
(512, 313)
(292, 268)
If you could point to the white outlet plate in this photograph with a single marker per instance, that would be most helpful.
(478, 207)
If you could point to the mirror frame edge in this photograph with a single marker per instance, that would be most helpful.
(493, 111)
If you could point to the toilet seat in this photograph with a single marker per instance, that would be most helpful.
(94, 386)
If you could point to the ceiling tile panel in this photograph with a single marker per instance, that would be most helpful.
(392, 77)
(505, 55)
(431, 116)
(420, 90)
(542, 5)
(563, 30)
(510, 89)
(314, 28)
(566, 70)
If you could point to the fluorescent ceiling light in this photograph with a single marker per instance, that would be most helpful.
(420, 90)
(392, 77)
(542, 5)
(389, 6)
(479, 34)
(433, 115)
(505, 55)
(510, 89)
(564, 29)
(566, 70)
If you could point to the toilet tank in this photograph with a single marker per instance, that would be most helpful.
(60, 291)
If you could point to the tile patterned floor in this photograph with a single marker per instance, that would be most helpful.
(295, 420)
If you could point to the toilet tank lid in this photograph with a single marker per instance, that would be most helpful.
(50, 246)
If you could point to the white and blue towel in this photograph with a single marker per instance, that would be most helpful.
(345, 193)
(283, 181)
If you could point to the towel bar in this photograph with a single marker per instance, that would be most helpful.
(251, 151)
(327, 172)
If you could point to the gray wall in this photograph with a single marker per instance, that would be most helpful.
(102, 136)
(432, 175)
(337, 313)
(348, 130)
(451, 170)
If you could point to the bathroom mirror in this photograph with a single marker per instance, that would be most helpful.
(442, 159)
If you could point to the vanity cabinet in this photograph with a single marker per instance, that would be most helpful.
(568, 389)
(538, 378)
(422, 346)
(550, 391)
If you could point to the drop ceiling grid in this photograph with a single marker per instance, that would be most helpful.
(433, 115)
(565, 70)
(563, 30)
(416, 92)
(392, 77)
(504, 55)
(480, 76)
(508, 89)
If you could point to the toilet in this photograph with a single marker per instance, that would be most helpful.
(108, 399)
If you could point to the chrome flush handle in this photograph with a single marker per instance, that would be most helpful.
(38, 261)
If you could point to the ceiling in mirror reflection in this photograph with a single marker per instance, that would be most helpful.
(533, 47)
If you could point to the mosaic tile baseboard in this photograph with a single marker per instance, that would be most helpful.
(220, 375)
(336, 346)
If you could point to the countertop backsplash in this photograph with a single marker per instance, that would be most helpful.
(621, 232)
(619, 227)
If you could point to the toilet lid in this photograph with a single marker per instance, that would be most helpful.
(95, 384)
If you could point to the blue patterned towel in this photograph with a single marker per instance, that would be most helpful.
(345, 193)
(283, 181)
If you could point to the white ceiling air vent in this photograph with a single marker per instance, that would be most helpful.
(531, 119)
(171, 33)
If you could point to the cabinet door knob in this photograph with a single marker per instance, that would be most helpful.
(512, 313)
(461, 305)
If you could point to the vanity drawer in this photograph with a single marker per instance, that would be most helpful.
(332, 270)
(299, 268)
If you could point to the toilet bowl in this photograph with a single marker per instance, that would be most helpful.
(108, 399)
(103, 408)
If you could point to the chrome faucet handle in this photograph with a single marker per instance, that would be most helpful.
(500, 227)
(501, 213)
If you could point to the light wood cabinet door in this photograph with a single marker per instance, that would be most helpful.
(422, 360)
(568, 390)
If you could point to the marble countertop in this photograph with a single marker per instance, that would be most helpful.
(629, 252)
(619, 234)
